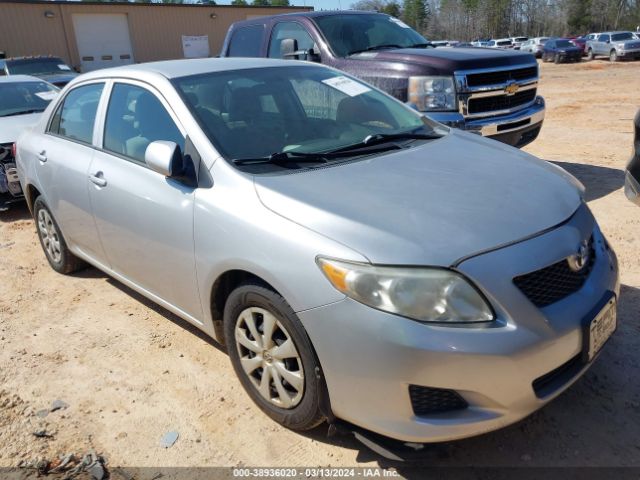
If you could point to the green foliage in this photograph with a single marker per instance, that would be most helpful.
(261, 3)
(280, 3)
(239, 2)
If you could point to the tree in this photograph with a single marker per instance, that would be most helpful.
(392, 8)
(239, 2)
(261, 3)
(369, 5)
(416, 14)
(279, 3)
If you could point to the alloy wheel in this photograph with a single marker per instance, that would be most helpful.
(269, 357)
(50, 236)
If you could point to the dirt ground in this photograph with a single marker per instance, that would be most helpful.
(131, 371)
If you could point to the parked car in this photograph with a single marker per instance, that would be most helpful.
(493, 93)
(518, 41)
(51, 69)
(581, 43)
(632, 178)
(504, 43)
(22, 100)
(480, 43)
(359, 260)
(560, 50)
(587, 39)
(615, 45)
(534, 46)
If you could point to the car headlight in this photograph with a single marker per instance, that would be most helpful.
(620, 46)
(432, 93)
(425, 294)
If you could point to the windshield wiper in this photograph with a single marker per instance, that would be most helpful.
(379, 138)
(323, 157)
(283, 157)
(23, 112)
(377, 47)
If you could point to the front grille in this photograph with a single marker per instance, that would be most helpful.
(556, 378)
(428, 400)
(555, 282)
(494, 78)
(500, 102)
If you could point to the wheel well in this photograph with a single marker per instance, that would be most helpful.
(32, 194)
(222, 287)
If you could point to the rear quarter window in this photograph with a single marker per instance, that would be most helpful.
(246, 41)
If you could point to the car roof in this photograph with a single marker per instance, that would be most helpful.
(613, 33)
(319, 13)
(35, 57)
(187, 67)
(20, 79)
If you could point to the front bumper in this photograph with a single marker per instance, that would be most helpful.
(370, 358)
(628, 53)
(516, 129)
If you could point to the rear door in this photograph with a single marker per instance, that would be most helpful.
(64, 153)
(144, 219)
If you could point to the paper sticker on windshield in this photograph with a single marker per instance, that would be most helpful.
(346, 85)
(46, 96)
(399, 22)
(64, 67)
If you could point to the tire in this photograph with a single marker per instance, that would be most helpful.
(613, 56)
(590, 55)
(247, 309)
(52, 242)
(556, 58)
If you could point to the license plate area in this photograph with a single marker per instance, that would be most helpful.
(598, 328)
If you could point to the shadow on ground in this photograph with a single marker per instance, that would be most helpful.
(599, 181)
(17, 211)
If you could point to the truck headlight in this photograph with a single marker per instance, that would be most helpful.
(425, 294)
(432, 93)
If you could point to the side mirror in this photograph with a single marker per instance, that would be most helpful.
(163, 157)
(288, 47)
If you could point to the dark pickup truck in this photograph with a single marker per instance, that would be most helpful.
(487, 91)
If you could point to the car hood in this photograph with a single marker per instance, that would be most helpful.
(12, 127)
(428, 205)
(447, 60)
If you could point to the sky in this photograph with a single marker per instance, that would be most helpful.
(317, 4)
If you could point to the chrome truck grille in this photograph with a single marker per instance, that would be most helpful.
(496, 91)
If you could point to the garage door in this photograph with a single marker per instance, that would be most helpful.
(103, 40)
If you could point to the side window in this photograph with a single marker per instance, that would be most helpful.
(293, 30)
(246, 41)
(76, 116)
(135, 118)
(2, 72)
(603, 38)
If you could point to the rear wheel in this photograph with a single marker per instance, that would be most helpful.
(272, 356)
(556, 58)
(55, 248)
(613, 56)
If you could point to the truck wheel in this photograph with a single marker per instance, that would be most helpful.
(55, 248)
(272, 356)
(613, 56)
(590, 55)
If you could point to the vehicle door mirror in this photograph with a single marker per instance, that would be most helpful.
(161, 157)
(289, 49)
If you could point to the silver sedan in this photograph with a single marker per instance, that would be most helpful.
(360, 261)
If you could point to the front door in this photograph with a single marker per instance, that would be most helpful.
(144, 219)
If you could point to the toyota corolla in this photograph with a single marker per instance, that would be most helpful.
(358, 260)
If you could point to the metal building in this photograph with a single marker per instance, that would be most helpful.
(90, 35)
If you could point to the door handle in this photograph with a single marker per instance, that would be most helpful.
(98, 179)
(42, 156)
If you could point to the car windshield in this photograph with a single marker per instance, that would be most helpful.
(349, 34)
(616, 37)
(504, 43)
(38, 66)
(520, 39)
(18, 98)
(564, 43)
(297, 110)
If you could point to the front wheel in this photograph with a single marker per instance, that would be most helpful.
(590, 55)
(557, 59)
(613, 56)
(272, 356)
(55, 248)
